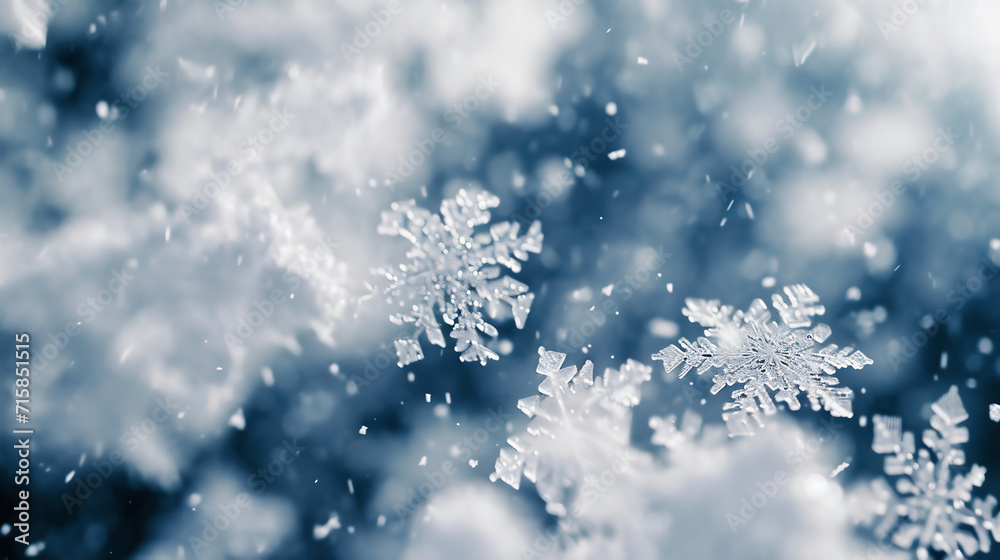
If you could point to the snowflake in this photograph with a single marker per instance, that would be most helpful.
(930, 509)
(667, 434)
(995, 412)
(455, 267)
(580, 429)
(761, 354)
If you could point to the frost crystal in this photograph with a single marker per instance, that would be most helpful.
(455, 267)
(763, 355)
(932, 507)
(995, 412)
(580, 429)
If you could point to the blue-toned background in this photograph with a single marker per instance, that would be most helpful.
(618, 125)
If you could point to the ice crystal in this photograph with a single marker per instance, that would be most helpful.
(454, 269)
(748, 348)
(580, 428)
(669, 435)
(995, 412)
(932, 508)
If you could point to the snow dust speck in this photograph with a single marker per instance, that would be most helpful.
(663, 328)
(363, 430)
(237, 420)
(321, 531)
(985, 345)
(840, 468)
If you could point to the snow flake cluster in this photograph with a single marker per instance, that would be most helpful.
(454, 268)
(580, 427)
(932, 507)
(748, 348)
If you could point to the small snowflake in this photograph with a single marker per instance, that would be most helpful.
(995, 412)
(930, 509)
(764, 355)
(580, 428)
(454, 269)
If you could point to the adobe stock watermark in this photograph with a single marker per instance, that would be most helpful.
(564, 10)
(874, 551)
(117, 111)
(229, 512)
(913, 168)
(620, 292)
(902, 350)
(769, 488)
(249, 150)
(465, 448)
(35, 25)
(454, 116)
(901, 14)
(581, 159)
(87, 312)
(700, 41)
(130, 441)
(323, 253)
(384, 360)
(788, 126)
(366, 33)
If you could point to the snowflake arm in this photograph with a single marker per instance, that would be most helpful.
(455, 271)
(761, 356)
(580, 425)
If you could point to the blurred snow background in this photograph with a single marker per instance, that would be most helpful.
(167, 169)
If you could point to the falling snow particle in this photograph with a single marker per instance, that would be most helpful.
(321, 531)
(363, 430)
(237, 420)
(995, 412)
(802, 51)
